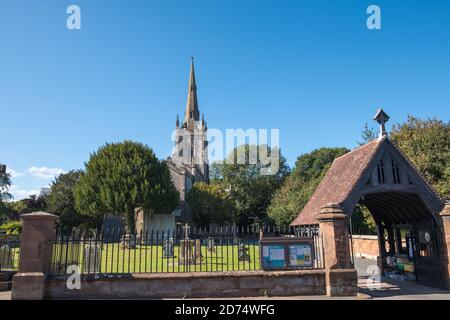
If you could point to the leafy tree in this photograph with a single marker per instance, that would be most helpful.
(250, 190)
(33, 203)
(120, 177)
(12, 227)
(427, 145)
(215, 171)
(363, 221)
(367, 135)
(295, 192)
(61, 200)
(5, 183)
(210, 203)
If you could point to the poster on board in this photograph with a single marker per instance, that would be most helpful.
(274, 256)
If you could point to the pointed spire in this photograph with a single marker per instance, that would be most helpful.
(192, 103)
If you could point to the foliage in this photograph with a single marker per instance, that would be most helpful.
(210, 203)
(120, 177)
(250, 190)
(12, 227)
(33, 203)
(61, 200)
(362, 221)
(367, 135)
(309, 170)
(5, 183)
(426, 143)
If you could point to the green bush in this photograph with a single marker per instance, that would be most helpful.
(12, 227)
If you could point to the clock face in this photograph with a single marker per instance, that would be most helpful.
(427, 237)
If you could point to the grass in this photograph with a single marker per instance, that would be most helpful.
(149, 258)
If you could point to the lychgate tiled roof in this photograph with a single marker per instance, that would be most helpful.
(338, 182)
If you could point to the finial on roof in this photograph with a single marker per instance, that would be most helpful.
(381, 117)
(177, 124)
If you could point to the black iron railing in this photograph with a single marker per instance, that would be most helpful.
(9, 253)
(113, 252)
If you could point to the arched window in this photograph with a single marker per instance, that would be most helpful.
(396, 172)
(380, 172)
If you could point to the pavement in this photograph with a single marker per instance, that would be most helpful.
(388, 289)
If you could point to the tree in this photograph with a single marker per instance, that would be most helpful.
(5, 183)
(210, 203)
(250, 190)
(61, 200)
(295, 192)
(426, 143)
(120, 177)
(367, 135)
(33, 203)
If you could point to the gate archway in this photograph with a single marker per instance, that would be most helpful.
(404, 206)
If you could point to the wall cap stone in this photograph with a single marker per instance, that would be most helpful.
(202, 275)
(446, 211)
(331, 211)
(39, 215)
(364, 237)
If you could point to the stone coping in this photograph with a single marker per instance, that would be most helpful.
(365, 237)
(196, 275)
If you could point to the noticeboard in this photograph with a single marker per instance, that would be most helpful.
(286, 253)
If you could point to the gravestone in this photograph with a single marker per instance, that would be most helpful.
(243, 253)
(211, 245)
(168, 248)
(92, 259)
(198, 251)
(186, 252)
(6, 257)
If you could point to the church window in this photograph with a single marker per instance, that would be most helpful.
(380, 172)
(395, 172)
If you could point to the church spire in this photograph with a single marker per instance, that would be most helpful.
(192, 112)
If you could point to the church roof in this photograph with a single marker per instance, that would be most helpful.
(339, 181)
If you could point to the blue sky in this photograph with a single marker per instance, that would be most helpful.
(309, 68)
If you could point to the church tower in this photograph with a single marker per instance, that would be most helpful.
(191, 146)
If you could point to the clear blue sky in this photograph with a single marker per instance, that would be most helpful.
(309, 68)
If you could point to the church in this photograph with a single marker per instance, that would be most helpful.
(188, 163)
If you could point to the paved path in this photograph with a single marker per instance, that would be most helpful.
(5, 295)
(389, 289)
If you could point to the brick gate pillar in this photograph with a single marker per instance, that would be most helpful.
(35, 254)
(341, 277)
(445, 215)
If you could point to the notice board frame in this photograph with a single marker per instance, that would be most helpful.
(285, 243)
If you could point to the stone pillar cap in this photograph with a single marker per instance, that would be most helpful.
(38, 215)
(446, 210)
(332, 211)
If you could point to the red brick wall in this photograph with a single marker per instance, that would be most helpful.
(365, 246)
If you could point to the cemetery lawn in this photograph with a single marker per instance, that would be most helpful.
(145, 259)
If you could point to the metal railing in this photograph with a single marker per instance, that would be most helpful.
(113, 252)
(9, 253)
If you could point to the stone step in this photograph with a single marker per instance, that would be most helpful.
(5, 285)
